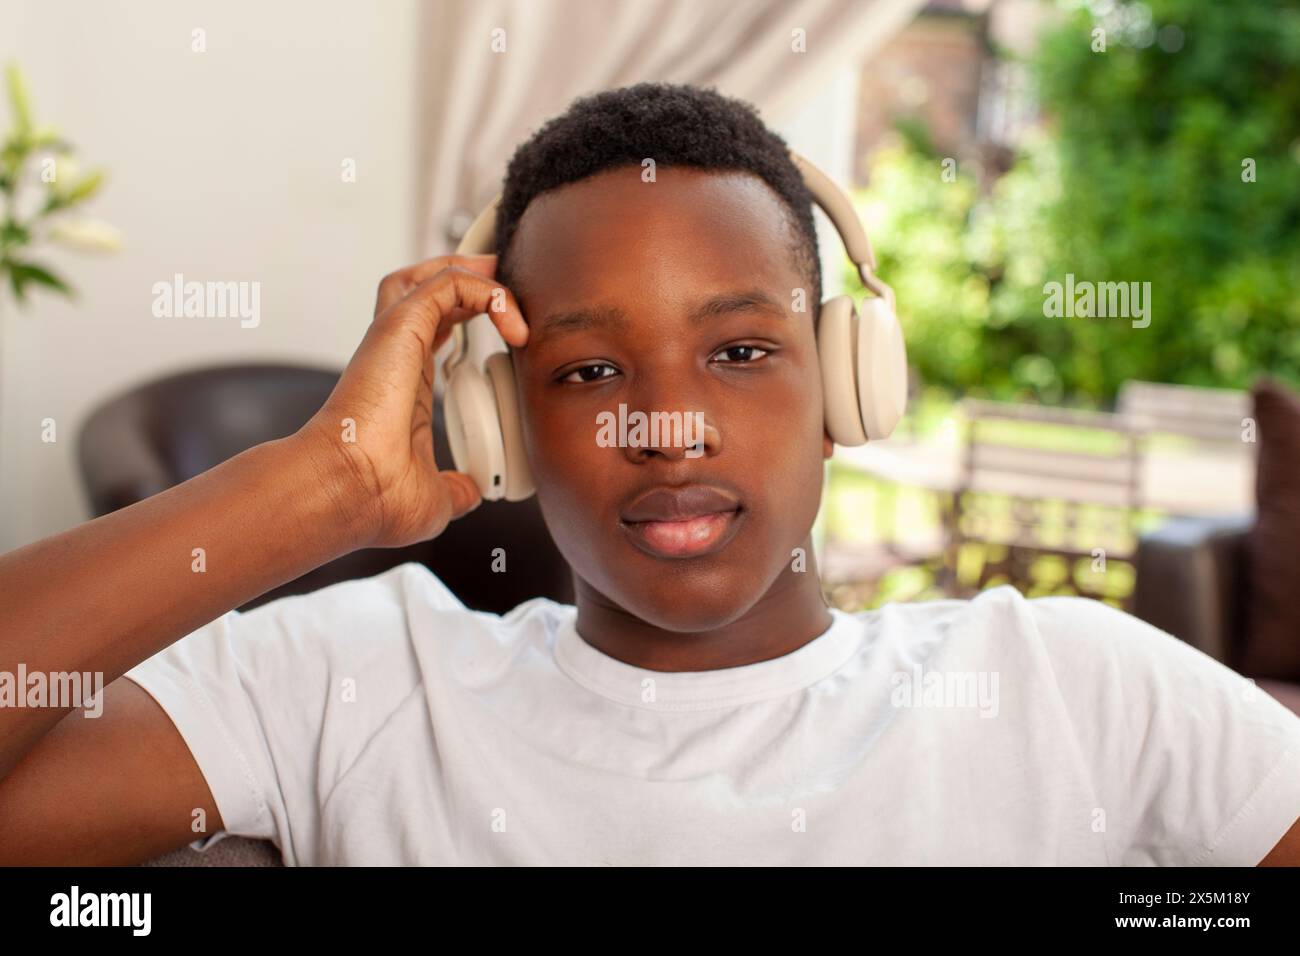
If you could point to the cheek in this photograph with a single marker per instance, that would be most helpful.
(787, 418)
(558, 440)
(784, 453)
(785, 462)
(571, 471)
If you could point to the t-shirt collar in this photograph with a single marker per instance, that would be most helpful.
(705, 690)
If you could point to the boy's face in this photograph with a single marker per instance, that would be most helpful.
(656, 252)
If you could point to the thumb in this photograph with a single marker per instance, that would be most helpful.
(463, 492)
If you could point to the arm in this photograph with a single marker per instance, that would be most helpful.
(109, 594)
(110, 791)
(112, 592)
(1287, 851)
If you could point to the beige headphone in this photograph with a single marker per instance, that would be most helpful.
(863, 362)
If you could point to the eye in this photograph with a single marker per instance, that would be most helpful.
(740, 360)
(587, 378)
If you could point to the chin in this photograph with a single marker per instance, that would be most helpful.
(691, 600)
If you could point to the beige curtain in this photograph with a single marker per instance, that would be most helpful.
(479, 104)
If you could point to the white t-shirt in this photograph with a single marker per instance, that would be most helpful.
(379, 721)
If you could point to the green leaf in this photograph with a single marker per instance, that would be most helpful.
(87, 187)
(63, 199)
(13, 233)
(47, 137)
(23, 274)
(19, 101)
(12, 156)
(18, 285)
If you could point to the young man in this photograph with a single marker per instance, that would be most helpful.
(700, 703)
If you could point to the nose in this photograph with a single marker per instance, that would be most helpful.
(682, 434)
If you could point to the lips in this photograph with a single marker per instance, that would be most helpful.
(682, 522)
(678, 504)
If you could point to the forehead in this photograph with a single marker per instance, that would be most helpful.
(615, 235)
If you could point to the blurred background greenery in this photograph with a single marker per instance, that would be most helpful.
(1140, 170)
(1134, 141)
(40, 184)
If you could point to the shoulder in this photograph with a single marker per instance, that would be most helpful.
(369, 624)
(386, 594)
(407, 623)
(301, 643)
(374, 609)
(1088, 639)
(1069, 633)
(1188, 761)
(1110, 671)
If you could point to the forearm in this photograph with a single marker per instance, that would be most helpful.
(110, 593)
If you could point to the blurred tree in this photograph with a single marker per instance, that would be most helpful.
(1170, 157)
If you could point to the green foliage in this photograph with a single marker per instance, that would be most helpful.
(1137, 177)
(967, 273)
(24, 147)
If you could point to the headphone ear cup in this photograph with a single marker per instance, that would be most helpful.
(469, 411)
(837, 345)
(519, 483)
(882, 369)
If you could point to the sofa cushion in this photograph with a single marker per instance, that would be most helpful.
(1272, 645)
(229, 851)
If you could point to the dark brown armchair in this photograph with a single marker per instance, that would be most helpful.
(168, 431)
(1193, 574)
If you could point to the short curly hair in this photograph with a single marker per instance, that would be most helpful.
(673, 124)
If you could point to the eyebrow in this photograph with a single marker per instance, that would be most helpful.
(607, 316)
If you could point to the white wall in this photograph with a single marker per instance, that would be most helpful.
(224, 165)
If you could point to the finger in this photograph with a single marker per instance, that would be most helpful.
(397, 285)
(454, 295)
(424, 397)
(426, 316)
(458, 314)
(401, 327)
(464, 492)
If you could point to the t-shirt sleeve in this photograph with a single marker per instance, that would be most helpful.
(276, 703)
(1194, 765)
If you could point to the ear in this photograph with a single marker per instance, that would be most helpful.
(828, 446)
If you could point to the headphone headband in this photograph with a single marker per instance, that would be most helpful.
(480, 239)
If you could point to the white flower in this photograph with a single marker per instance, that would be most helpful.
(90, 234)
(66, 172)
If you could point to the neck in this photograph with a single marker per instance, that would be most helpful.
(791, 613)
